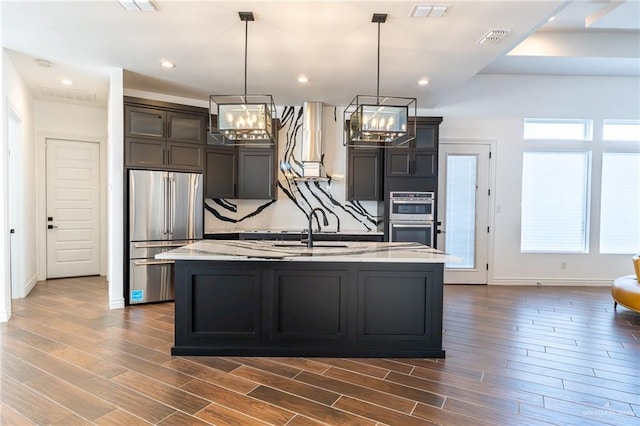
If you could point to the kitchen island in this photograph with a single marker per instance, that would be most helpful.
(337, 299)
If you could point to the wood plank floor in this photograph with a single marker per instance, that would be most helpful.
(515, 356)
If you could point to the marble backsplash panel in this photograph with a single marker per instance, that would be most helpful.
(295, 199)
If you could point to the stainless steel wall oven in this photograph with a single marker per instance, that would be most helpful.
(411, 216)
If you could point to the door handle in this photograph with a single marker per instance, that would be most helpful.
(51, 226)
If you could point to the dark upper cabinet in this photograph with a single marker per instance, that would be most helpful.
(364, 174)
(167, 136)
(186, 127)
(184, 156)
(426, 136)
(419, 157)
(144, 153)
(411, 162)
(220, 173)
(145, 122)
(256, 173)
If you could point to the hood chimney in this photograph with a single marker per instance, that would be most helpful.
(312, 139)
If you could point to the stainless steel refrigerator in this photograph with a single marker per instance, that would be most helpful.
(165, 212)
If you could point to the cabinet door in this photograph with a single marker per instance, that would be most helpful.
(186, 127)
(256, 174)
(424, 164)
(144, 122)
(398, 162)
(144, 153)
(220, 173)
(185, 156)
(364, 175)
(426, 137)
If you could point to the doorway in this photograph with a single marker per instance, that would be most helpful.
(463, 210)
(73, 208)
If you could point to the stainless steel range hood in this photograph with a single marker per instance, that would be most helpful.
(312, 141)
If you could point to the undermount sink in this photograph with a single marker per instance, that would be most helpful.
(315, 245)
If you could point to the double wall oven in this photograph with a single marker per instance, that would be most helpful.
(411, 217)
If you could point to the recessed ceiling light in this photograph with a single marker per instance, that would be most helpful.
(43, 63)
(423, 82)
(303, 79)
(66, 82)
(167, 64)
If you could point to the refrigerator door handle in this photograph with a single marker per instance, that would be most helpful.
(165, 228)
(172, 204)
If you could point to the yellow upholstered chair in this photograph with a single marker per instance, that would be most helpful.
(626, 290)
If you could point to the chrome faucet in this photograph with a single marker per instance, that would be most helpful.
(309, 230)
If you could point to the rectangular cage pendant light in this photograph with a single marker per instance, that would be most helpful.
(236, 120)
(242, 119)
(379, 120)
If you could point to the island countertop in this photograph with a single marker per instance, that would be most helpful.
(323, 251)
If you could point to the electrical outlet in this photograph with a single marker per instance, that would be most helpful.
(563, 265)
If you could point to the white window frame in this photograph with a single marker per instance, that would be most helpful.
(615, 122)
(529, 123)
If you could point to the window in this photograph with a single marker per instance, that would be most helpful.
(557, 129)
(620, 203)
(555, 199)
(621, 130)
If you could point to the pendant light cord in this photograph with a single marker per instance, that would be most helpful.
(378, 76)
(246, 36)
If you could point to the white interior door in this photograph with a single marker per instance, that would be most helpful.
(73, 208)
(14, 133)
(463, 210)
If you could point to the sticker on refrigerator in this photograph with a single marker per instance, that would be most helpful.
(137, 295)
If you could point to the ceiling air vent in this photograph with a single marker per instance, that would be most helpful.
(428, 11)
(493, 36)
(68, 95)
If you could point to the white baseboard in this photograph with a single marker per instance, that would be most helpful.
(5, 315)
(116, 303)
(30, 285)
(552, 282)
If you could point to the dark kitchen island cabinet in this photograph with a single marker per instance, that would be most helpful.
(263, 298)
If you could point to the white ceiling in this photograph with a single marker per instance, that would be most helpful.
(333, 43)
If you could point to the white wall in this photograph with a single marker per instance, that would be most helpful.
(493, 107)
(73, 122)
(115, 188)
(16, 97)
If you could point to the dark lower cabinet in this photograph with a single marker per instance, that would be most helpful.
(256, 174)
(302, 317)
(220, 173)
(275, 308)
(364, 175)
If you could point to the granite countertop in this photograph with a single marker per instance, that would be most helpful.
(321, 252)
(289, 231)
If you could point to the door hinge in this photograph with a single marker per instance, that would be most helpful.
(489, 192)
(488, 229)
(12, 231)
(487, 266)
(489, 154)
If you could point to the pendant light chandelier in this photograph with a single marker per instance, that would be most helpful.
(240, 120)
(379, 120)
